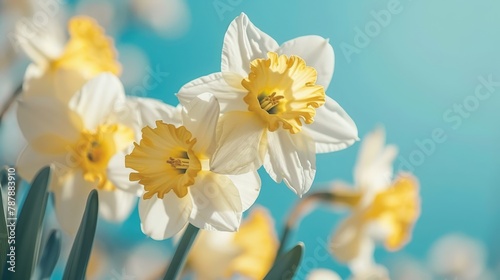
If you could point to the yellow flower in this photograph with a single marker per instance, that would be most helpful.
(250, 252)
(173, 164)
(87, 53)
(275, 109)
(86, 140)
(382, 211)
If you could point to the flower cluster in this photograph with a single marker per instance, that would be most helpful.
(196, 163)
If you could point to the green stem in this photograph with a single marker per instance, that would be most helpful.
(10, 101)
(180, 255)
(283, 240)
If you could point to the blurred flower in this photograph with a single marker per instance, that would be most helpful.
(458, 256)
(382, 211)
(86, 140)
(323, 274)
(172, 163)
(249, 252)
(266, 93)
(87, 53)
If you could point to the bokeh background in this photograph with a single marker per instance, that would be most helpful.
(429, 65)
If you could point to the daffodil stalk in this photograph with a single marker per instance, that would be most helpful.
(308, 203)
(180, 255)
(10, 101)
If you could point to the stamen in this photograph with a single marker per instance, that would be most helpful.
(179, 163)
(270, 101)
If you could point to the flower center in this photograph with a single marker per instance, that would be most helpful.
(397, 207)
(94, 149)
(282, 91)
(164, 160)
(89, 50)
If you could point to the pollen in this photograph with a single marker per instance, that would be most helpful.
(164, 160)
(283, 92)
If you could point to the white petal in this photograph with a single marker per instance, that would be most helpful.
(116, 205)
(239, 143)
(332, 129)
(346, 242)
(98, 99)
(374, 168)
(47, 124)
(118, 174)
(30, 162)
(70, 200)
(243, 43)
(292, 158)
(248, 185)
(146, 111)
(316, 52)
(323, 274)
(163, 218)
(39, 43)
(200, 117)
(216, 203)
(230, 95)
(48, 83)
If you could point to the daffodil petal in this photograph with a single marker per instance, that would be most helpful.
(116, 205)
(200, 117)
(30, 162)
(118, 174)
(39, 42)
(239, 138)
(146, 111)
(323, 274)
(291, 158)
(230, 97)
(346, 242)
(217, 203)
(243, 43)
(48, 83)
(97, 99)
(163, 218)
(332, 129)
(374, 171)
(45, 118)
(248, 186)
(70, 198)
(316, 52)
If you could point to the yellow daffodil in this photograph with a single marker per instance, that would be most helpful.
(87, 53)
(86, 140)
(172, 163)
(382, 211)
(274, 104)
(248, 253)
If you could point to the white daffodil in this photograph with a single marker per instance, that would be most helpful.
(248, 253)
(323, 274)
(275, 108)
(172, 163)
(86, 140)
(87, 53)
(382, 210)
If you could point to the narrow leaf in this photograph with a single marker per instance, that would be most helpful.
(287, 264)
(82, 246)
(50, 255)
(28, 228)
(180, 255)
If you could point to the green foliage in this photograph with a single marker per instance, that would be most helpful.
(287, 264)
(50, 255)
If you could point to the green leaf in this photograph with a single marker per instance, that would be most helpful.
(3, 226)
(287, 264)
(29, 227)
(80, 251)
(180, 255)
(50, 255)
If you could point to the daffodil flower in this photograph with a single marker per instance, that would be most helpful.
(275, 110)
(86, 140)
(172, 163)
(87, 53)
(249, 253)
(323, 274)
(382, 210)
